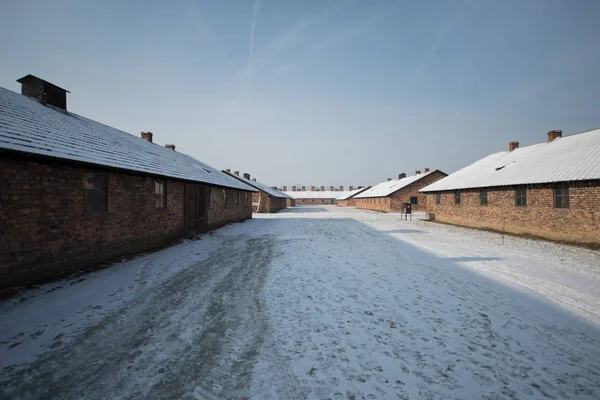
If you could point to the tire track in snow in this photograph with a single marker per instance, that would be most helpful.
(196, 335)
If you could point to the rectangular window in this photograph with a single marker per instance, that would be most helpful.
(160, 194)
(414, 200)
(237, 199)
(457, 197)
(438, 198)
(521, 197)
(483, 197)
(561, 197)
(313, 200)
(95, 196)
(225, 197)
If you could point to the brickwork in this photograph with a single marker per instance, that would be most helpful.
(44, 232)
(580, 223)
(265, 203)
(394, 202)
(228, 205)
(346, 203)
(314, 202)
(290, 202)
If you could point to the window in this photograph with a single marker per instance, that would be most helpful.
(225, 197)
(483, 197)
(209, 195)
(561, 197)
(438, 198)
(160, 194)
(313, 200)
(521, 197)
(237, 198)
(414, 200)
(457, 197)
(95, 197)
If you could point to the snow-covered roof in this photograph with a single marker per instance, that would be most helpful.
(259, 186)
(326, 194)
(28, 126)
(569, 158)
(353, 193)
(386, 188)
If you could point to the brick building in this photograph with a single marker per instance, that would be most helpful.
(75, 193)
(391, 195)
(549, 190)
(349, 200)
(266, 199)
(315, 196)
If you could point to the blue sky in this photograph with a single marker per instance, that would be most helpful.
(318, 92)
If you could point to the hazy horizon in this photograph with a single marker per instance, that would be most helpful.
(318, 92)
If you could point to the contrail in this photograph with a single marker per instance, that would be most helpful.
(254, 14)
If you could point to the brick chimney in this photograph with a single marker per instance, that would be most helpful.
(322, 188)
(228, 170)
(170, 146)
(351, 188)
(331, 189)
(426, 170)
(389, 179)
(401, 176)
(513, 146)
(341, 188)
(285, 188)
(312, 188)
(253, 179)
(247, 175)
(417, 172)
(236, 173)
(293, 188)
(304, 188)
(554, 134)
(44, 91)
(146, 136)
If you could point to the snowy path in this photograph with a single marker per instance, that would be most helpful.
(316, 303)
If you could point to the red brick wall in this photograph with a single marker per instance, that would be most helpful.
(375, 203)
(315, 202)
(44, 232)
(225, 206)
(393, 202)
(580, 223)
(267, 203)
(290, 202)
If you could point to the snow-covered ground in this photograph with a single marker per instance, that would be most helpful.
(316, 303)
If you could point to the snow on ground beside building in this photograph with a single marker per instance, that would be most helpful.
(316, 302)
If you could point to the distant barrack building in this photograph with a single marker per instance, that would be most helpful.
(317, 195)
(549, 190)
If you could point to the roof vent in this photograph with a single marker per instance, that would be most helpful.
(46, 92)
(555, 134)
(236, 173)
(417, 172)
(513, 146)
(170, 146)
(426, 170)
(247, 175)
(402, 175)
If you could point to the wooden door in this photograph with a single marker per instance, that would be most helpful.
(202, 213)
(191, 208)
(196, 208)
